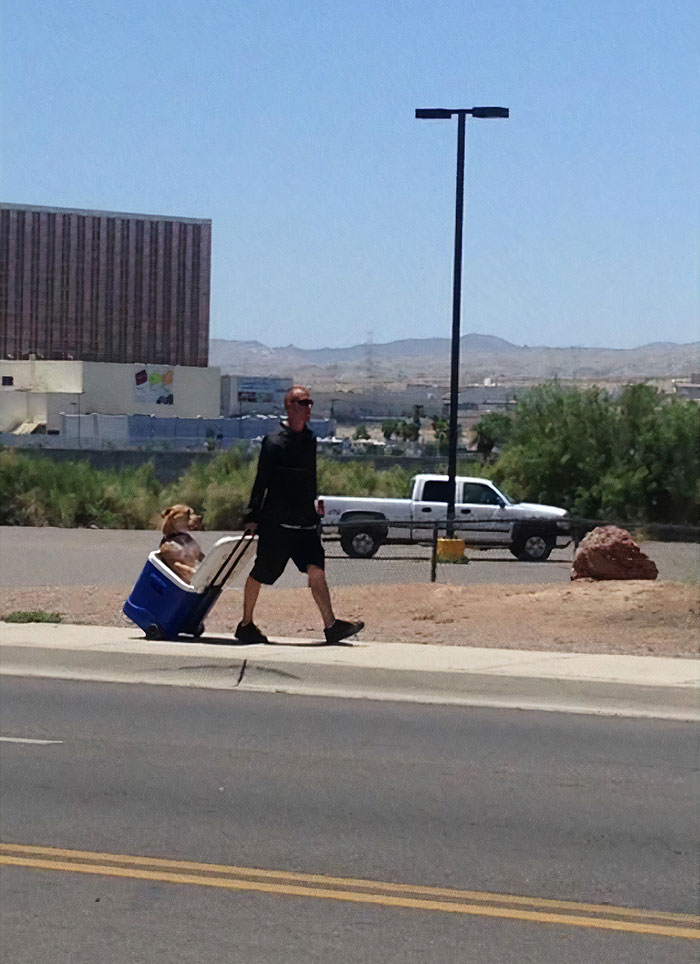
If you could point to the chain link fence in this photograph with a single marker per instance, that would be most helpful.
(415, 559)
(411, 553)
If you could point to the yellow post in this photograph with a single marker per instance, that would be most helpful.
(450, 550)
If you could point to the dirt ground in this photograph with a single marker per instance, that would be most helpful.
(635, 617)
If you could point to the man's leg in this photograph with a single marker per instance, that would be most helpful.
(250, 597)
(334, 629)
(309, 557)
(270, 560)
(321, 593)
(247, 631)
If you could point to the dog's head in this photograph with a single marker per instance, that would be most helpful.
(180, 518)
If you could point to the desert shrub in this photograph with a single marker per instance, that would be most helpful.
(635, 458)
(219, 488)
(32, 616)
(37, 490)
(362, 479)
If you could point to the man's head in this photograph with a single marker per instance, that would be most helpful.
(297, 403)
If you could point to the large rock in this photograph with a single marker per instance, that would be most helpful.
(609, 552)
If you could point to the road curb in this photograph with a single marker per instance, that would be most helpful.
(644, 687)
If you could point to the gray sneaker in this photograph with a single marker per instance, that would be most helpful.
(249, 634)
(342, 629)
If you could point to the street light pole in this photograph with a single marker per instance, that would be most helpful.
(441, 113)
(456, 321)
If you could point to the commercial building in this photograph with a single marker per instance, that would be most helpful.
(93, 405)
(103, 286)
(688, 387)
(35, 394)
(253, 394)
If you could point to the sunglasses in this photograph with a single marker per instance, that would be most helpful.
(306, 402)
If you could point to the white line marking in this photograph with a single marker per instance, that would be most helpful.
(21, 739)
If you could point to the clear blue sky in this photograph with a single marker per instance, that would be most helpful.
(291, 124)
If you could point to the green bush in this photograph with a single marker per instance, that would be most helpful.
(32, 616)
(361, 478)
(35, 490)
(219, 488)
(635, 458)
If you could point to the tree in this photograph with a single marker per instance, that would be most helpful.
(361, 433)
(656, 476)
(441, 429)
(631, 459)
(408, 431)
(492, 430)
(389, 428)
(418, 414)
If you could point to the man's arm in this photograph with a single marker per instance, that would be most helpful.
(260, 487)
(318, 506)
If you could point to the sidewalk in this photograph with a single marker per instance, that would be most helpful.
(633, 686)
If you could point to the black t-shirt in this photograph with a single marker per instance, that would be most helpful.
(285, 485)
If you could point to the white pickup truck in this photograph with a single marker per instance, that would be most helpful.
(484, 518)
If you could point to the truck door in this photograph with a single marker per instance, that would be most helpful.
(432, 507)
(479, 516)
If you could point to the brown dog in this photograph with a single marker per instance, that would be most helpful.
(178, 549)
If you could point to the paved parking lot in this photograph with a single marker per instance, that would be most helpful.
(108, 557)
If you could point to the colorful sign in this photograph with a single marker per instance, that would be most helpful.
(153, 385)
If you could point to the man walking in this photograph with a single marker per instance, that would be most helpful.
(282, 510)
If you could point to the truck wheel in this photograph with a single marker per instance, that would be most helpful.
(153, 631)
(360, 543)
(532, 548)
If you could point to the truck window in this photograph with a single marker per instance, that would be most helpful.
(477, 494)
(434, 491)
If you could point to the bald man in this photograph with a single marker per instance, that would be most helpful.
(283, 511)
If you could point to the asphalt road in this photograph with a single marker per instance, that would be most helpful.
(541, 807)
(112, 557)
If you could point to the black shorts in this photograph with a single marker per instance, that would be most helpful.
(277, 545)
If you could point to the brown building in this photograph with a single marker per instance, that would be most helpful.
(103, 286)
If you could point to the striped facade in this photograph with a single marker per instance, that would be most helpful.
(103, 286)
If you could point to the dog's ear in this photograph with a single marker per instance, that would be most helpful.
(164, 513)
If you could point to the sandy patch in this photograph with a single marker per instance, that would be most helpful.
(643, 618)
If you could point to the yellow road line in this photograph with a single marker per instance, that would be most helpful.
(328, 893)
(490, 897)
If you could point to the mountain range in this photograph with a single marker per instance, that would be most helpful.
(428, 359)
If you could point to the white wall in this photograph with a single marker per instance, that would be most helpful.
(14, 409)
(57, 404)
(113, 390)
(44, 376)
(43, 390)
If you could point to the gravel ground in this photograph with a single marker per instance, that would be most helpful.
(85, 575)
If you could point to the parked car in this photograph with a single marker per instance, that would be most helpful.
(484, 517)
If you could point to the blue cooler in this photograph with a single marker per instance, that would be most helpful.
(165, 606)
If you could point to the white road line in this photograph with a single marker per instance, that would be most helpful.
(21, 739)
